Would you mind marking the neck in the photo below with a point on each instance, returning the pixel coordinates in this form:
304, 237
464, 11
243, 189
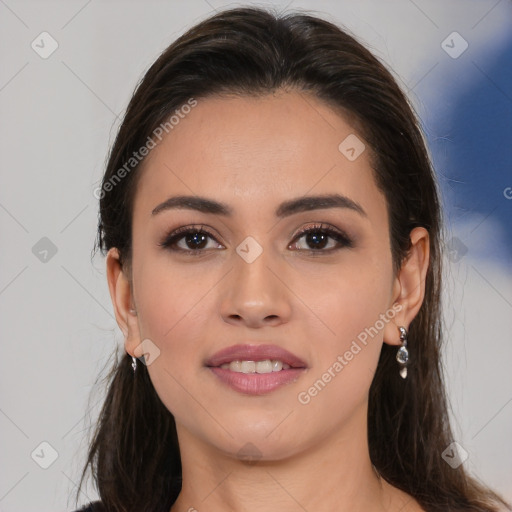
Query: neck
335, 474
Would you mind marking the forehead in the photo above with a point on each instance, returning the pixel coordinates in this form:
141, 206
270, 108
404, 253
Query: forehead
254, 150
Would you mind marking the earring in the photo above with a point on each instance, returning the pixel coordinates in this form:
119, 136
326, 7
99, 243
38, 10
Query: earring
402, 356
134, 364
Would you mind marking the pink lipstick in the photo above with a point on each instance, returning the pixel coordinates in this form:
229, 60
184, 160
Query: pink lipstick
256, 369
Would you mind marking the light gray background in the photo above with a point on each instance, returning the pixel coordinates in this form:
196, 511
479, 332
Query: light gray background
59, 116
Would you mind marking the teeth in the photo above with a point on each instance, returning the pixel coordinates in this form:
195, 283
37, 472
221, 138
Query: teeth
277, 366
247, 367
266, 366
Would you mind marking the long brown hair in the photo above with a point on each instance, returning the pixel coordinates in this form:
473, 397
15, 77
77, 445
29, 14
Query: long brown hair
134, 453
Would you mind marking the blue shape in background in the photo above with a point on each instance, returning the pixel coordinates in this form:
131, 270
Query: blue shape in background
473, 153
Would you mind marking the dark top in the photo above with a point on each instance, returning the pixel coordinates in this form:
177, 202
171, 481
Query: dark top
94, 506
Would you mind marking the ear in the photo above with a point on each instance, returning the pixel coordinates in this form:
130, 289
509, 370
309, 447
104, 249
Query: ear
409, 285
120, 288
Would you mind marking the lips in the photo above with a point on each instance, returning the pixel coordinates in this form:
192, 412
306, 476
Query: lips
254, 353
289, 368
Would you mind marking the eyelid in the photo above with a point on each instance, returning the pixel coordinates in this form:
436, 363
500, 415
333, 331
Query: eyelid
331, 231
178, 233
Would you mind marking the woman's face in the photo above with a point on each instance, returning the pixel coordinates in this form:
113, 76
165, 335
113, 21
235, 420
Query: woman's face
257, 281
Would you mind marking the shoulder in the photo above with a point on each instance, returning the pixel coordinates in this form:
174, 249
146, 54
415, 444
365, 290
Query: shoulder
94, 506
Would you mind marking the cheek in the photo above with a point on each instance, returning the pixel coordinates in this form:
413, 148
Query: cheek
344, 362
348, 300
347, 353
172, 315
168, 296
169, 303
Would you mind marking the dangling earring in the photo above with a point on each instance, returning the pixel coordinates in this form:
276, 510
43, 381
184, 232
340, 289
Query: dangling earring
134, 360
402, 356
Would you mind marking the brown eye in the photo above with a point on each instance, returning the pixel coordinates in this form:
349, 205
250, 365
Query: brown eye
323, 239
189, 240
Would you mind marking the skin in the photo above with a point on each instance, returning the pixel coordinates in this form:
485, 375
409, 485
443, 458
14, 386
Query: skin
253, 154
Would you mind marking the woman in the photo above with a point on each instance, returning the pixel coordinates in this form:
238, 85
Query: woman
272, 229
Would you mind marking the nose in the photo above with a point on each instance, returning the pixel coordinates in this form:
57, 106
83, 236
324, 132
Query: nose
255, 294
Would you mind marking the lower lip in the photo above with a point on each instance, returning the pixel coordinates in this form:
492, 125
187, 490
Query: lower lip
257, 383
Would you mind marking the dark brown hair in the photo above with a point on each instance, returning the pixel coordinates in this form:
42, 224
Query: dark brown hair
134, 453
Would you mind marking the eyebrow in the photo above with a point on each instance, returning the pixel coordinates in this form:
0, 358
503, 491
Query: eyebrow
285, 209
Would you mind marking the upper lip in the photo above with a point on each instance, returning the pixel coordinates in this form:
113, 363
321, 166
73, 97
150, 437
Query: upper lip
254, 353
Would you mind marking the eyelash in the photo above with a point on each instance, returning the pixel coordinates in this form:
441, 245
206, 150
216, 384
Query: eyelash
336, 235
